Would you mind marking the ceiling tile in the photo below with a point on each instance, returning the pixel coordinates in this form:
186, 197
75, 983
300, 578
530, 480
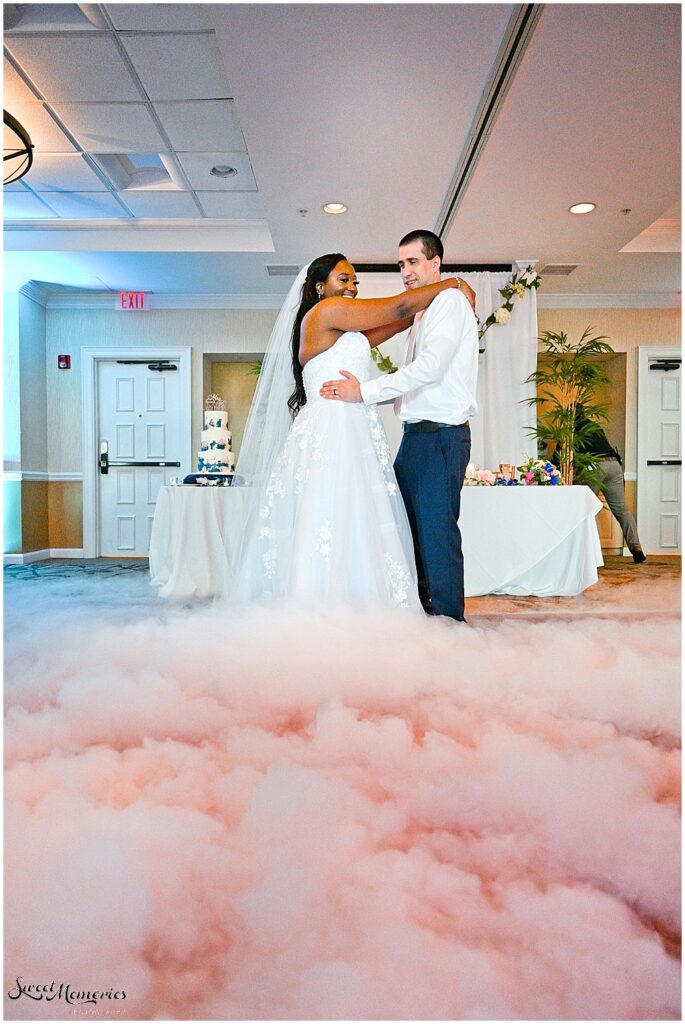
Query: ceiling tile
161, 204
198, 165
112, 127
59, 173
160, 17
46, 136
85, 205
14, 186
232, 205
201, 125
15, 89
83, 67
21, 205
178, 67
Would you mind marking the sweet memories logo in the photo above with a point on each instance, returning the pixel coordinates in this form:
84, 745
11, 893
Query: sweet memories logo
63, 991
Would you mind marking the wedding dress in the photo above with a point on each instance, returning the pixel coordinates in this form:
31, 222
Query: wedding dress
331, 524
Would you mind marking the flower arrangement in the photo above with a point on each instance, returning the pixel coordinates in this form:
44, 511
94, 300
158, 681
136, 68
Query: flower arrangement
476, 477
535, 472
215, 403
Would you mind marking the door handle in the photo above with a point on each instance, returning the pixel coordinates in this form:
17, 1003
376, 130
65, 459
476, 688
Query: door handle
104, 458
126, 463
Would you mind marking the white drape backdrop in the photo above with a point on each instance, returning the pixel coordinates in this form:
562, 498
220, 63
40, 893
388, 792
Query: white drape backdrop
499, 431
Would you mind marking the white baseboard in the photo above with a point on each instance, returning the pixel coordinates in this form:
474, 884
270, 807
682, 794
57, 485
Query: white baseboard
40, 556
25, 557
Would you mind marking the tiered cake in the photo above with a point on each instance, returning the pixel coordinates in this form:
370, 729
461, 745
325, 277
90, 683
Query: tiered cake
215, 455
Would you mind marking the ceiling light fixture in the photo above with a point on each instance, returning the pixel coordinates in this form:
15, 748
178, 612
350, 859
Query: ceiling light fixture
18, 155
334, 208
582, 208
224, 171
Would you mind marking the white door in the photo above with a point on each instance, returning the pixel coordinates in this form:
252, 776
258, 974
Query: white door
139, 443
659, 450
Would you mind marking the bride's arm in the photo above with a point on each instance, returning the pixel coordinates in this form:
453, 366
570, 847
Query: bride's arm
377, 335
338, 314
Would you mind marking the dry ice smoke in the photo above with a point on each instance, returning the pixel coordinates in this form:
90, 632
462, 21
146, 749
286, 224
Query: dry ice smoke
336, 815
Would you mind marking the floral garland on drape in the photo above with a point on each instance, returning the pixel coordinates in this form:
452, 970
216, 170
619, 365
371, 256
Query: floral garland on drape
514, 289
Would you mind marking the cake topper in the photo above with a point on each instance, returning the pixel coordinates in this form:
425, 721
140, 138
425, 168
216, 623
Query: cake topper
215, 403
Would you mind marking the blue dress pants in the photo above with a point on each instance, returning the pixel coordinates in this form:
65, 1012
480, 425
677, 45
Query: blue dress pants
430, 469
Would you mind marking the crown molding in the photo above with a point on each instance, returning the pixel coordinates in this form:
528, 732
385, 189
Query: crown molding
589, 300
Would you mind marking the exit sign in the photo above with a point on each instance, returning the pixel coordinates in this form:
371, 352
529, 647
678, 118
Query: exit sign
131, 300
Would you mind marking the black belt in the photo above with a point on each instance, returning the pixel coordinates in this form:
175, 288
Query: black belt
428, 426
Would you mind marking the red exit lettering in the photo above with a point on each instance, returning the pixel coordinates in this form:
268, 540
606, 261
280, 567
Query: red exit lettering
132, 300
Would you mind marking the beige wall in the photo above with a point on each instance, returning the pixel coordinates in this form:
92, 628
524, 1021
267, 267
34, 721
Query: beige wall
237, 387
33, 398
626, 330
206, 331
11, 382
51, 398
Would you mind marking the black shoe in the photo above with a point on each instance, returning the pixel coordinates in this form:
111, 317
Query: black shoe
638, 555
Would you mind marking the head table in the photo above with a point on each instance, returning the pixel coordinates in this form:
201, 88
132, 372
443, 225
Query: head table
522, 541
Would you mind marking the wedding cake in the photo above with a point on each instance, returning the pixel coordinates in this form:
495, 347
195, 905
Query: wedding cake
215, 455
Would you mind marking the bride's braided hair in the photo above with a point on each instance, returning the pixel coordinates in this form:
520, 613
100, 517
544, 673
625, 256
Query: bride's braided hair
318, 272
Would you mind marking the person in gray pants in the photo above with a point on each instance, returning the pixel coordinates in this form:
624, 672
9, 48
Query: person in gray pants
608, 478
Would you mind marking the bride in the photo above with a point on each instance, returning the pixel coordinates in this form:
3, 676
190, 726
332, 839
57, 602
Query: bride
322, 515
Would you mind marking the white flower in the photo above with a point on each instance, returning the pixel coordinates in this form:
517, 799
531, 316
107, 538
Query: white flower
502, 315
529, 277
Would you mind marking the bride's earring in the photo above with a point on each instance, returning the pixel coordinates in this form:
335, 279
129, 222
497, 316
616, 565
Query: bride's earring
319, 292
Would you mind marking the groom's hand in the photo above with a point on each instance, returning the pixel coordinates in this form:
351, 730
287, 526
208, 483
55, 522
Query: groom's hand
346, 390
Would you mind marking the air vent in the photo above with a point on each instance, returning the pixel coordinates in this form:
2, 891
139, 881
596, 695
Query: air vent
281, 270
559, 269
136, 172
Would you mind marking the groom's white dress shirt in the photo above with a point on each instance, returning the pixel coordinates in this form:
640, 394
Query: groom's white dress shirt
438, 380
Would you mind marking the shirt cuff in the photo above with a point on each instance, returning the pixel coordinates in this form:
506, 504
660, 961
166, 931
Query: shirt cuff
371, 390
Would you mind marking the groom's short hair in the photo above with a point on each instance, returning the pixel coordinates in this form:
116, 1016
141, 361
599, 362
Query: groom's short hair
431, 244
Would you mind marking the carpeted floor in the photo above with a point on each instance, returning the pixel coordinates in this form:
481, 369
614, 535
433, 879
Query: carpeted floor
624, 588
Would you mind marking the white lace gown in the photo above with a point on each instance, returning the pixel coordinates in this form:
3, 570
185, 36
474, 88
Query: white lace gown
332, 525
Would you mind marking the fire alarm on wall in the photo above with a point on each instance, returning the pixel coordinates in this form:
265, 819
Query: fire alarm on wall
64, 362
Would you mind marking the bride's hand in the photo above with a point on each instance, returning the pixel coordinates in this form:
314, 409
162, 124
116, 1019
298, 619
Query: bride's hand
347, 390
468, 292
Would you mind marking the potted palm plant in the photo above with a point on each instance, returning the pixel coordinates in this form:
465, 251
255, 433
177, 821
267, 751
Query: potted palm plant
566, 386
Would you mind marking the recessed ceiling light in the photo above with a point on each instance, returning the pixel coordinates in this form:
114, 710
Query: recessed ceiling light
223, 171
334, 208
582, 208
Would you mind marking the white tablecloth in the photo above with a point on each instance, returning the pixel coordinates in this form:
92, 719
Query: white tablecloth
539, 541
190, 534
529, 541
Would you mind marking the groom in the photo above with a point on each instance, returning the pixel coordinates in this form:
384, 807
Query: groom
435, 394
